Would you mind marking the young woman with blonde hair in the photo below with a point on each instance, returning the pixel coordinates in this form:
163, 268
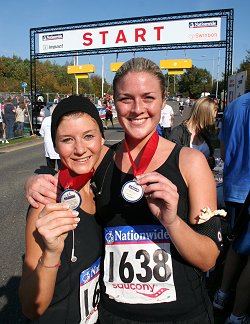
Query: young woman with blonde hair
198, 130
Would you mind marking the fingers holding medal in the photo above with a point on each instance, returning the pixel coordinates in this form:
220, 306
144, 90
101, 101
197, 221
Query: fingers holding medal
54, 222
161, 194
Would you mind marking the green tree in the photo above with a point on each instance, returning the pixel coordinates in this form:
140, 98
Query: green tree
50, 77
195, 81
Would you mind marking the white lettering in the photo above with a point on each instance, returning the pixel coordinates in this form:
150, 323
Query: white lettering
143, 236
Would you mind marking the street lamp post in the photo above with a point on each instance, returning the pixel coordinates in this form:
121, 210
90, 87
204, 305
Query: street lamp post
218, 71
213, 73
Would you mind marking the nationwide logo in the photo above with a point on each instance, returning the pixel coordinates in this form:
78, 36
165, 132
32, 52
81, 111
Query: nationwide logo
90, 273
133, 234
52, 37
202, 24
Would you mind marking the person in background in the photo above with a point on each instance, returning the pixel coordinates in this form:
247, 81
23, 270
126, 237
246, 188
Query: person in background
235, 138
59, 282
1, 124
109, 114
181, 106
198, 130
20, 111
9, 118
52, 157
150, 197
167, 120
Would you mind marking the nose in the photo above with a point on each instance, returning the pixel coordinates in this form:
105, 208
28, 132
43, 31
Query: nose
79, 148
138, 106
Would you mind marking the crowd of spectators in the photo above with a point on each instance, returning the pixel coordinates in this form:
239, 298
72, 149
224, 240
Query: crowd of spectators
12, 116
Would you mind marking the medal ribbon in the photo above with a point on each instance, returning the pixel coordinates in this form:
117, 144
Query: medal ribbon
68, 179
147, 155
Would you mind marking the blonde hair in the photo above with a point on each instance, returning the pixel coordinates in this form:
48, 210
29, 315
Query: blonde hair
202, 117
140, 64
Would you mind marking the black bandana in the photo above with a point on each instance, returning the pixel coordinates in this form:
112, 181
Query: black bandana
70, 104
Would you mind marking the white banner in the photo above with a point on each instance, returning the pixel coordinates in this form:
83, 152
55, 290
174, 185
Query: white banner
236, 86
231, 88
240, 85
140, 34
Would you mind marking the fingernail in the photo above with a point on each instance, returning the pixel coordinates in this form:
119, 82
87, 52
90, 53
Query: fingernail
77, 219
75, 212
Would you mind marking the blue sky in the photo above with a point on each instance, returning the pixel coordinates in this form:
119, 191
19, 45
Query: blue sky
17, 17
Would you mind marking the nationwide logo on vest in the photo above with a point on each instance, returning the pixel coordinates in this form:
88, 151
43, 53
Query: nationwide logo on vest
133, 234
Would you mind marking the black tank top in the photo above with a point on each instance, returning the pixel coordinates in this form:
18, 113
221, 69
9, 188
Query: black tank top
65, 305
114, 211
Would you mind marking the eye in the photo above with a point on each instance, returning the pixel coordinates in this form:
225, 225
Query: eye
89, 137
124, 99
149, 98
66, 140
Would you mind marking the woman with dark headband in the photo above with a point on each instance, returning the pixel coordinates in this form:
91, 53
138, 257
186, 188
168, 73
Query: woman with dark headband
61, 268
155, 201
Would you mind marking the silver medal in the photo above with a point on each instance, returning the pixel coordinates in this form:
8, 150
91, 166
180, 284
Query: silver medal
131, 191
72, 198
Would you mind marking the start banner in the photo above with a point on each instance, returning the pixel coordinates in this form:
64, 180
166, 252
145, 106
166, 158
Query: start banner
136, 34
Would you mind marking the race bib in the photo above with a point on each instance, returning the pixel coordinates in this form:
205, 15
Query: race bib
90, 293
138, 264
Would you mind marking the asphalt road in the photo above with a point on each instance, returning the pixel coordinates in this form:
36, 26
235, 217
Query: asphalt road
17, 162
15, 166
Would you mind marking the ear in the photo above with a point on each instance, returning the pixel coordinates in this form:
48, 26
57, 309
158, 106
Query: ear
103, 141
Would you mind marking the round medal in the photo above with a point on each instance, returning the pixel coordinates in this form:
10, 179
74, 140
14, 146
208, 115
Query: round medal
131, 191
72, 198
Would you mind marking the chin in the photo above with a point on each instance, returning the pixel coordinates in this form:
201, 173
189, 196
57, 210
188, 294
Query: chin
81, 170
138, 133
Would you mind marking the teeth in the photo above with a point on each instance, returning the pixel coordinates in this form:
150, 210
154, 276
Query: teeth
137, 121
83, 160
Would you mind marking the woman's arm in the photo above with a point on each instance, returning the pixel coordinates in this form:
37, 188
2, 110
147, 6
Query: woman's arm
46, 231
44, 187
162, 197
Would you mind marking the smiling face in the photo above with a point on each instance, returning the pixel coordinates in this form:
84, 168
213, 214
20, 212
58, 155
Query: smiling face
138, 101
79, 142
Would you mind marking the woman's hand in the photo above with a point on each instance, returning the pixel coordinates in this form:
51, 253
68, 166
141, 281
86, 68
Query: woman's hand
53, 224
40, 189
161, 195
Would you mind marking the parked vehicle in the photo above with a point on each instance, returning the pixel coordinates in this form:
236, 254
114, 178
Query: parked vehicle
36, 116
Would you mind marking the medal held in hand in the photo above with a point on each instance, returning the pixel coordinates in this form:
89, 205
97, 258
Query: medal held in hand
71, 183
72, 198
131, 191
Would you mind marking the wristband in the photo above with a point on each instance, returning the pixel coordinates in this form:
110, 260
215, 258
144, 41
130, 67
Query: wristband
40, 261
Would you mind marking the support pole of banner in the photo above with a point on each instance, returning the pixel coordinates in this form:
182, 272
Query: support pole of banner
218, 72
102, 75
